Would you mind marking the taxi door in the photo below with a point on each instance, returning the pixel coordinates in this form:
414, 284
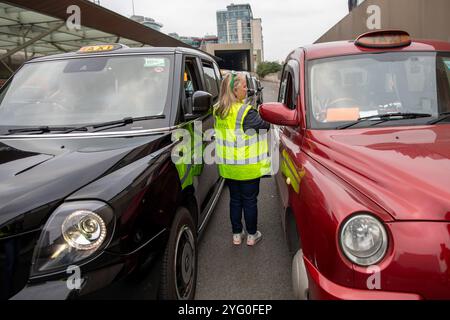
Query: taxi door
199, 75
291, 172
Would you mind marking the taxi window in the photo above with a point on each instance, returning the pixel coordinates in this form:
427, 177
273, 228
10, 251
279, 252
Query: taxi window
282, 93
444, 83
87, 90
290, 101
447, 69
287, 91
211, 80
218, 74
345, 89
191, 83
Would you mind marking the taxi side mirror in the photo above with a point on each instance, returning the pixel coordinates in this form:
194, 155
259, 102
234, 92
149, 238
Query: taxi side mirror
201, 102
279, 114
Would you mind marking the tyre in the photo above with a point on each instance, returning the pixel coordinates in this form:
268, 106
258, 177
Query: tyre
179, 265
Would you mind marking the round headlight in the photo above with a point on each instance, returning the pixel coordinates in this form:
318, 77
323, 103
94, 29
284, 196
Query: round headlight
84, 230
75, 231
364, 240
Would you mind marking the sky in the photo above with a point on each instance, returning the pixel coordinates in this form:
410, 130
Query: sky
287, 24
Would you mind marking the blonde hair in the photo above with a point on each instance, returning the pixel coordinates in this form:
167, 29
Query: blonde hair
227, 96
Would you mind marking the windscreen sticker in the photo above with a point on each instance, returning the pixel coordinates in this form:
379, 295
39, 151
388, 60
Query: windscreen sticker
447, 62
154, 62
370, 113
342, 114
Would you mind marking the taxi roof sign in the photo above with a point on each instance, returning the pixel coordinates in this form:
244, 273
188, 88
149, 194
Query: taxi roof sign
384, 39
100, 48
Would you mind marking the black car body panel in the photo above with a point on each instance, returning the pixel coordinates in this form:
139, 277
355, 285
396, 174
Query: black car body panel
128, 168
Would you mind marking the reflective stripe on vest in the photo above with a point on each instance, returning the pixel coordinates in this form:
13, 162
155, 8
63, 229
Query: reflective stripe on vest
240, 155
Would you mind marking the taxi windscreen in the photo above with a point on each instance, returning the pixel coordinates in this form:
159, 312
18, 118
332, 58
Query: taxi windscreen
345, 89
87, 90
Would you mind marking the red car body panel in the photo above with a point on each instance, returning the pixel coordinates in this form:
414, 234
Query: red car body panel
399, 174
324, 289
419, 261
405, 170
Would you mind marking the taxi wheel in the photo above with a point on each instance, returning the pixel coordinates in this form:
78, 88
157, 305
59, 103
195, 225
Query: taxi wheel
179, 266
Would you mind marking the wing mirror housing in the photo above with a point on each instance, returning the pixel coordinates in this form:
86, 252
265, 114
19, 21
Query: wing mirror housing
201, 102
279, 114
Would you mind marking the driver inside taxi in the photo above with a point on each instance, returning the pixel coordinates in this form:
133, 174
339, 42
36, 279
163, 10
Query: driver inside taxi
334, 103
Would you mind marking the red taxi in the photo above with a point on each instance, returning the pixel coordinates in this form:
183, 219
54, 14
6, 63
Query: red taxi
363, 129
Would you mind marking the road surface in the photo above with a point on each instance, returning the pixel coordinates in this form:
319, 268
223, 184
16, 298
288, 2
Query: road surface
262, 272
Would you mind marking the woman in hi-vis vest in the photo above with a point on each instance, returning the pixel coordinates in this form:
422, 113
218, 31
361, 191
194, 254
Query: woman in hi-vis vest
241, 154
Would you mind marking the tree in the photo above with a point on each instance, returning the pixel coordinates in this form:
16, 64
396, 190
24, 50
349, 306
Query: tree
267, 67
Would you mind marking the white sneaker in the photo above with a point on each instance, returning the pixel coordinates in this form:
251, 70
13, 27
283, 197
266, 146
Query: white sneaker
253, 239
237, 238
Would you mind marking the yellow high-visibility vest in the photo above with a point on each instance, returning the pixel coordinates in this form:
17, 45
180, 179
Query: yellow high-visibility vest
240, 155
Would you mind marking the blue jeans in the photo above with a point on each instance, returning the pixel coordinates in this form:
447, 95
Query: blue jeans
244, 197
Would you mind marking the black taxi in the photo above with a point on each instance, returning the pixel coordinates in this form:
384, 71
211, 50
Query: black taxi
91, 202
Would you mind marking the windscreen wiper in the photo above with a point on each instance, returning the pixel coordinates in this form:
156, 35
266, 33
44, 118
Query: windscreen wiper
44, 129
116, 123
386, 117
442, 116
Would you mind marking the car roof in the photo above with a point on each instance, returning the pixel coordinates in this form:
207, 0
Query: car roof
127, 50
342, 48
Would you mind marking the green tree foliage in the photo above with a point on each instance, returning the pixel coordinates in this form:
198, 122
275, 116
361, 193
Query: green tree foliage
267, 67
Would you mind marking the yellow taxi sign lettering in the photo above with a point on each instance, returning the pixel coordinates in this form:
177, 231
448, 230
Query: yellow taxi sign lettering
98, 48
384, 39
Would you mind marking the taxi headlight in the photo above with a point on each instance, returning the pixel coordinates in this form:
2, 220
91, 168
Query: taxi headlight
363, 240
84, 230
74, 232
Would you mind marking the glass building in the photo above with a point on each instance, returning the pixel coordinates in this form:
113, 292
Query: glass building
196, 42
148, 22
234, 25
